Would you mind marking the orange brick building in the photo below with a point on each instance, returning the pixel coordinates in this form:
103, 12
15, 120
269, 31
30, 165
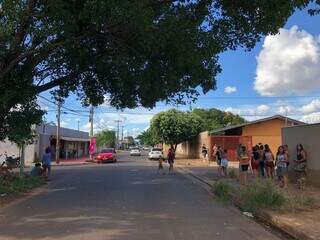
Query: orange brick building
265, 131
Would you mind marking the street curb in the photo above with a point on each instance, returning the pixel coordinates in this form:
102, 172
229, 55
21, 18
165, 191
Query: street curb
261, 216
72, 164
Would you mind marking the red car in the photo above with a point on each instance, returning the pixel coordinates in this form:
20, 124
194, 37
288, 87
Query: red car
106, 155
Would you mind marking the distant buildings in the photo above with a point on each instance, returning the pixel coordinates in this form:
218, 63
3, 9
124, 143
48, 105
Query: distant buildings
73, 144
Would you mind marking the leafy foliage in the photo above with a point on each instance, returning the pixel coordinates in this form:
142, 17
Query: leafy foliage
173, 127
123, 49
146, 138
106, 138
215, 118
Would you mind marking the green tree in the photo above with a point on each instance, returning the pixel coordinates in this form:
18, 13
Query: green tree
173, 127
106, 138
214, 118
122, 49
146, 138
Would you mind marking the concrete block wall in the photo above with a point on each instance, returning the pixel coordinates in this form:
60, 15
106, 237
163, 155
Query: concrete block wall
308, 136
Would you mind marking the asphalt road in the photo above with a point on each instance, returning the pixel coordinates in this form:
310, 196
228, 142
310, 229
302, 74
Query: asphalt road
125, 200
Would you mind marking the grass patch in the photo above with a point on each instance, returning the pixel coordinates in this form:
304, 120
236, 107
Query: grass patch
261, 194
232, 173
20, 184
222, 190
298, 201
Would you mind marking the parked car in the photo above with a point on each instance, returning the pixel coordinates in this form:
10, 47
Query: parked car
106, 155
135, 152
155, 153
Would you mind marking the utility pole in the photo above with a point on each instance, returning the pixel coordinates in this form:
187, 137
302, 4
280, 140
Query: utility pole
91, 121
78, 124
122, 132
118, 133
57, 155
91, 127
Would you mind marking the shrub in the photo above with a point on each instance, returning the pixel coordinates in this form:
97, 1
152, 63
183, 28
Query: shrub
261, 194
222, 190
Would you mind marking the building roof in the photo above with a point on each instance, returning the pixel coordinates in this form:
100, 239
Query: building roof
257, 121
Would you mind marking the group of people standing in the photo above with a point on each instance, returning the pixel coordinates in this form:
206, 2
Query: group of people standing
262, 162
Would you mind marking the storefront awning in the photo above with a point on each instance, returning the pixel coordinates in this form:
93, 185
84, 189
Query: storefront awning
71, 139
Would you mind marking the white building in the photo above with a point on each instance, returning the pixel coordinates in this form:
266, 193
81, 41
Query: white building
73, 144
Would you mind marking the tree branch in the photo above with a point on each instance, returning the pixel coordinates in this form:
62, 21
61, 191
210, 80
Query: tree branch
53, 83
25, 23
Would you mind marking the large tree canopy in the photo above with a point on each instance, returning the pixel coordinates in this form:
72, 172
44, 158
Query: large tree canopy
215, 118
137, 52
173, 127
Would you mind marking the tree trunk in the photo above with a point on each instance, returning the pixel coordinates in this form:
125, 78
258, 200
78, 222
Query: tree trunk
22, 160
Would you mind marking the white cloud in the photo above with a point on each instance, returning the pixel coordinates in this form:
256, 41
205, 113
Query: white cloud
313, 106
230, 89
63, 124
311, 118
286, 110
263, 109
127, 118
289, 63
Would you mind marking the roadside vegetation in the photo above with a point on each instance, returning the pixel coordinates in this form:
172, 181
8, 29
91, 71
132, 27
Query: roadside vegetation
19, 184
261, 195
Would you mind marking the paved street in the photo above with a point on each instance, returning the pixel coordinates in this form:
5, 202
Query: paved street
125, 200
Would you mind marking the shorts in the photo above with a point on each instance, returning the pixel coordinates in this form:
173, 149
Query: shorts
219, 162
245, 167
224, 163
281, 171
270, 164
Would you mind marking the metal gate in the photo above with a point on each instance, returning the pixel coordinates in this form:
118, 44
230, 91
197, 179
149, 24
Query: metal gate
231, 143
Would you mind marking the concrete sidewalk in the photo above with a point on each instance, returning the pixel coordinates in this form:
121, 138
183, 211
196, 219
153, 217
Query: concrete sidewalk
302, 225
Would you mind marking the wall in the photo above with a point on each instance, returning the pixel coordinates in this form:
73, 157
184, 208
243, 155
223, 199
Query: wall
191, 148
11, 149
268, 132
308, 136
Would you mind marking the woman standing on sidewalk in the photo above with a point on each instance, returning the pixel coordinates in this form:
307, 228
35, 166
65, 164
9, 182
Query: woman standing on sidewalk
46, 163
261, 160
282, 167
269, 161
244, 163
171, 158
255, 161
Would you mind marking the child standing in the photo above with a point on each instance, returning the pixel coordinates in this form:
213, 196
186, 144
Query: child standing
224, 162
160, 166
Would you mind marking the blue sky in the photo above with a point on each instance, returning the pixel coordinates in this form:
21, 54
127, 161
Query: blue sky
284, 68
